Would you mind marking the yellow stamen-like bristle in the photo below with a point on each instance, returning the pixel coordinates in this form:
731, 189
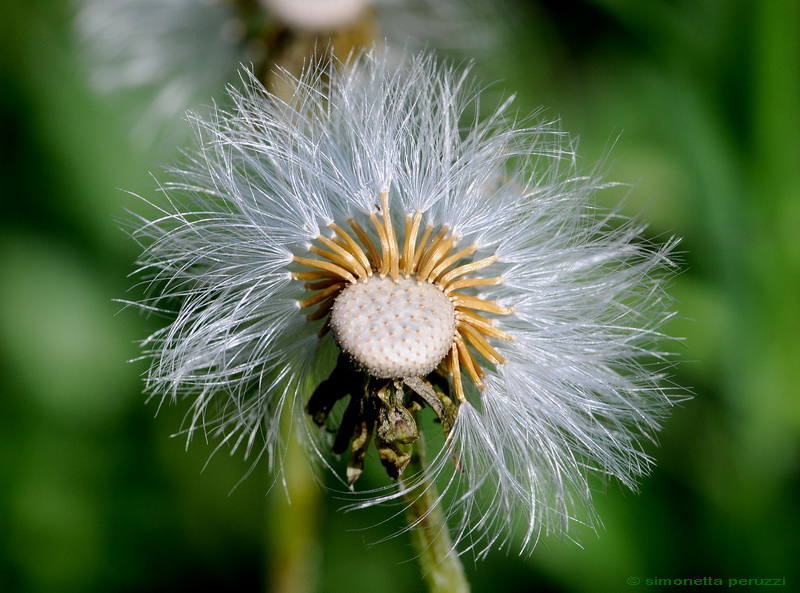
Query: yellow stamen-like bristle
471, 302
355, 248
465, 358
346, 256
468, 282
319, 275
409, 245
322, 310
374, 256
467, 268
480, 344
420, 250
352, 253
449, 261
438, 253
393, 256
322, 295
324, 265
321, 284
429, 250
454, 368
482, 324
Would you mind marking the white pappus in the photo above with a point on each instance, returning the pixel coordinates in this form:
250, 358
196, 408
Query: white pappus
291, 216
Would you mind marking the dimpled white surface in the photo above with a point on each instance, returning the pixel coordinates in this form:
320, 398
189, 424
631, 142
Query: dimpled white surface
394, 330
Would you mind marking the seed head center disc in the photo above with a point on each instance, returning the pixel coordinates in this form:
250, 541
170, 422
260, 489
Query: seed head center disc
394, 330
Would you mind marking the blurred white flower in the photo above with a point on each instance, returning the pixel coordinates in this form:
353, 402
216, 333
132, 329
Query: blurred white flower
447, 261
464, 25
172, 52
177, 53
316, 15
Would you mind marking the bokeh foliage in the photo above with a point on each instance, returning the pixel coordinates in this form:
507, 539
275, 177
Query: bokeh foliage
700, 104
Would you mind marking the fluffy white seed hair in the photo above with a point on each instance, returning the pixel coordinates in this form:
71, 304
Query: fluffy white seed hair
582, 386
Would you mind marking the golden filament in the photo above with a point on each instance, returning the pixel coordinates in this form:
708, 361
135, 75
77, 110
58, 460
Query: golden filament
346, 261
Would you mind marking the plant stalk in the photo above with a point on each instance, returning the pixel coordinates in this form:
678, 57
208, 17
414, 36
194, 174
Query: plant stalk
441, 566
293, 551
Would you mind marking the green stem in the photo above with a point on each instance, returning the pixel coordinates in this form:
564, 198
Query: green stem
441, 567
293, 551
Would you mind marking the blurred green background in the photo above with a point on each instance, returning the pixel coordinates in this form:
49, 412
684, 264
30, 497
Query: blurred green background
701, 102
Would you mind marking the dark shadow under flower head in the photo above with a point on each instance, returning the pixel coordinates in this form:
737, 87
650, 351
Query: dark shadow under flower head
372, 237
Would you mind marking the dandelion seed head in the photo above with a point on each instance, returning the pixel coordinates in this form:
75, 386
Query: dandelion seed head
439, 262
